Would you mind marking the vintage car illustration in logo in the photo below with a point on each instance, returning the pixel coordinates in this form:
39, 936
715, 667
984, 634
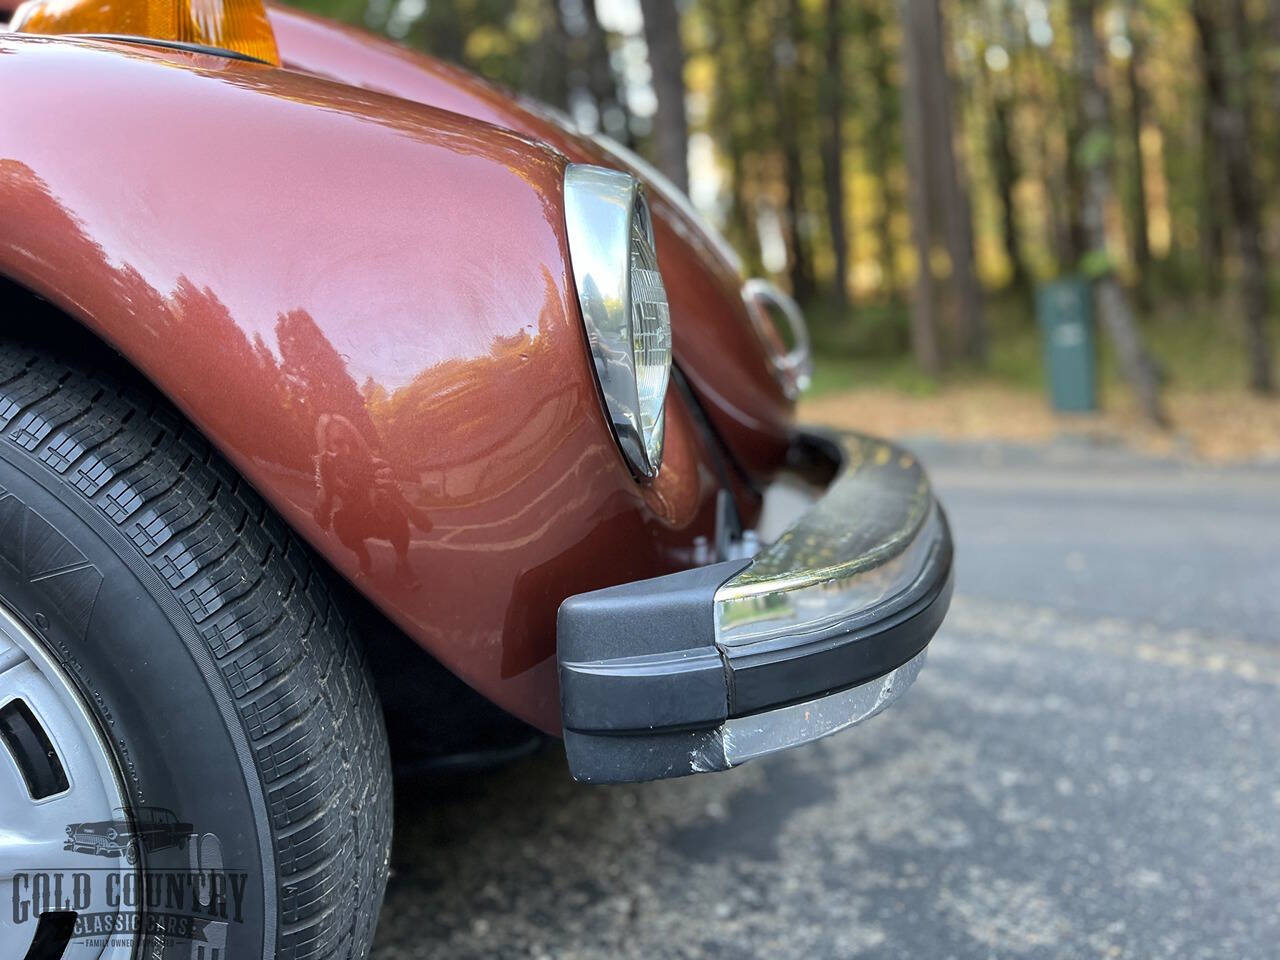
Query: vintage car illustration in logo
150, 828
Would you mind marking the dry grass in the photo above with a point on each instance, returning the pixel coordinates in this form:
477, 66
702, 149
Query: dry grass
1217, 426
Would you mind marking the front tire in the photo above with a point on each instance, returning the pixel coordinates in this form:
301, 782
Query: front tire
223, 676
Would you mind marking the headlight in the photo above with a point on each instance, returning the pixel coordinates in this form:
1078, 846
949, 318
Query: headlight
624, 305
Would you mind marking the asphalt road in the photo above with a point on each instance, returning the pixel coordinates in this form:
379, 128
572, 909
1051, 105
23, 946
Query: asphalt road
1089, 766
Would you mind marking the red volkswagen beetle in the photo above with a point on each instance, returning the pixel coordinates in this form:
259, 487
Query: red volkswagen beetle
342, 393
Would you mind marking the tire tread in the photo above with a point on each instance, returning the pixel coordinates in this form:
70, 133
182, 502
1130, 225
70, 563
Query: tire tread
286, 652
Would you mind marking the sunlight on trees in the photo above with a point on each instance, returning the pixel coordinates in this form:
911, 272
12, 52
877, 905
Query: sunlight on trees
841, 144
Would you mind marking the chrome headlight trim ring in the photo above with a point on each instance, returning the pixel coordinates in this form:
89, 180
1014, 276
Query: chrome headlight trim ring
792, 369
624, 306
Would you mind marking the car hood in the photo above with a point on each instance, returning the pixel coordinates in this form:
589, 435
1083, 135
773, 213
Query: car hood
714, 341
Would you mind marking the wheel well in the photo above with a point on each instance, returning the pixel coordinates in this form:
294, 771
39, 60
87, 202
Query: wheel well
461, 727
19, 306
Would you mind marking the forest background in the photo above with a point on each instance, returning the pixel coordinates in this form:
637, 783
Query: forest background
912, 171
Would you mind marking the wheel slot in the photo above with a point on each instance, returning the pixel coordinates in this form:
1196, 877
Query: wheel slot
32, 750
53, 933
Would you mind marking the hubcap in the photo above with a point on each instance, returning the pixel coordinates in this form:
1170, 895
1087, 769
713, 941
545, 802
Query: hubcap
55, 773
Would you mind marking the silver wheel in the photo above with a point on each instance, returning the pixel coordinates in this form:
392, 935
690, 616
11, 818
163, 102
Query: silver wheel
55, 773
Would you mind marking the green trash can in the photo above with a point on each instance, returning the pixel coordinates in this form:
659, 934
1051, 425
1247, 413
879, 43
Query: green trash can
1064, 311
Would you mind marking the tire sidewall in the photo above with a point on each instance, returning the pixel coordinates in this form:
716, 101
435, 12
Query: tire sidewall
162, 707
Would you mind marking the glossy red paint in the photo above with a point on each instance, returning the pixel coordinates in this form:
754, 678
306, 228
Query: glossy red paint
365, 303
714, 342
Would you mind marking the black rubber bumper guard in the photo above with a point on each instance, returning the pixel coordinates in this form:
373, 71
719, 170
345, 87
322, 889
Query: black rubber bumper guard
704, 669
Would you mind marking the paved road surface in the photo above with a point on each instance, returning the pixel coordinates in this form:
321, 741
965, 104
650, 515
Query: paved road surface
1088, 766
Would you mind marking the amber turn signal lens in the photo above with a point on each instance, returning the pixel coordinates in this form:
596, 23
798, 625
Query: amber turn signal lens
238, 25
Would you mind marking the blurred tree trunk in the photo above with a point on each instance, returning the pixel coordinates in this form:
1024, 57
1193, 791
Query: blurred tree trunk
1093, 154
881, 144
1004, 165
924, 322
1247, 200
724, 28
1137, 119
666, 59
1273, 57
786, 84
1213, 182
1220, 45
937, 181
667, 62
833, 149
1073, 179
1273, 53
1054, 177
603, 81
547, 76
448, 39
952, 188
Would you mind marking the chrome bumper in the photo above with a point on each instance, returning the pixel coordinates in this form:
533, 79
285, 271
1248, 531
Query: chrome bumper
707, 668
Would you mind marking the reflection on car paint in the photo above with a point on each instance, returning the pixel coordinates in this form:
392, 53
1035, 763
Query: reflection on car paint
445, 332
357, 494
730, 372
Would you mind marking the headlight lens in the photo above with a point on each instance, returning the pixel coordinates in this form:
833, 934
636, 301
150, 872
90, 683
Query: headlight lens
650, 331
624, 305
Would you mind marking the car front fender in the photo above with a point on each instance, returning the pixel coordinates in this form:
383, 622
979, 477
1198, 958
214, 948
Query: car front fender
715, 346
313, 272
